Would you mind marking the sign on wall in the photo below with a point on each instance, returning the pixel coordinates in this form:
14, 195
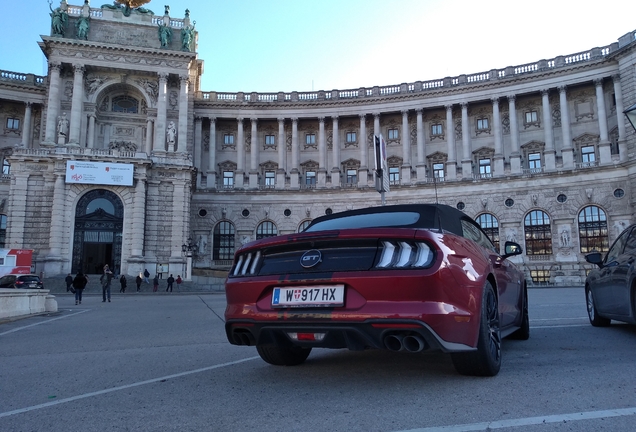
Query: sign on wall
102, 173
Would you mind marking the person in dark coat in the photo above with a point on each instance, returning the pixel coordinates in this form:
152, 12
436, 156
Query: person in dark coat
69, 282
123, 282
138, 281
79, 283
170, 281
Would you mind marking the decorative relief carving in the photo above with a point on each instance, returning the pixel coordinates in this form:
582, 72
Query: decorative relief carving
127, 131
123, 146
36, 167
151, 88
68, 90
556, 116
173, 100
169, 174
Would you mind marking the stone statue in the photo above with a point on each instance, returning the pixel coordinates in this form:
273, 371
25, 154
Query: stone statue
166, 10
59, 18
565, 238
82, 26
165, 34
202, 243
171, 133
62, 126
187, 37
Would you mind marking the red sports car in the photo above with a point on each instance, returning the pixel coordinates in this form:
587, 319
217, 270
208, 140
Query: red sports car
404, 278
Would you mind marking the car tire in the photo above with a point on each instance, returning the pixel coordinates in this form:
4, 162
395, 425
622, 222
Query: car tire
595, 319
524, 331
486, 360
283, 355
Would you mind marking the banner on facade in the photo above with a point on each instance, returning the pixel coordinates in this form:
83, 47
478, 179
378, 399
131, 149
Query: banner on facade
102, 173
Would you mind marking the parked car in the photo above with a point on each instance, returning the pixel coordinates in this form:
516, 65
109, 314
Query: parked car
403, 278
610, 290
26, 281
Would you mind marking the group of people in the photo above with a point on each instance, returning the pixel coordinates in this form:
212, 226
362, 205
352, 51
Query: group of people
78, 283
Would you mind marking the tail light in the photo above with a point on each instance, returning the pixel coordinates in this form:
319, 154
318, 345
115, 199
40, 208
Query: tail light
404, 254
247, 264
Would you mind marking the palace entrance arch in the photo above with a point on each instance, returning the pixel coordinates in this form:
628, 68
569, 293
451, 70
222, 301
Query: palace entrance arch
99, 220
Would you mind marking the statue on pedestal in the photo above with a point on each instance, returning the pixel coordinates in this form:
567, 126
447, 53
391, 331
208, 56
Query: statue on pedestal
62, 129
59, 18
187, 37
171, 133
165, 34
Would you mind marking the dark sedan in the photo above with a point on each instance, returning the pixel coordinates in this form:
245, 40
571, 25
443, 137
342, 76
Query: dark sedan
610, 290
25, 281
403, 278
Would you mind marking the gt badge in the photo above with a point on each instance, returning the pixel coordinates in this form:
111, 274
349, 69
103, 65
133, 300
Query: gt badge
310, 258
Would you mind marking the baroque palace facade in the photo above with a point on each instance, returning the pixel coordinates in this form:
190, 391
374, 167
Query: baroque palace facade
539, 153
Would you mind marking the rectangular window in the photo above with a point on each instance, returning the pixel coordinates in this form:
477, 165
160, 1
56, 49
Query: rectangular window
438, 170
393, 134
6, 167
587, 154
352, 176
531, 117
270, 178
13, 123
351, 137
534, 161
310, 139
270, 140
436, 129
482, 124
228, 139
540, 276
484, 167
310, 178
394, 175
228, 179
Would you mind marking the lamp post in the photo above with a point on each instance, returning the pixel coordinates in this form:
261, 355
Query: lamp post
630, 113
189, 249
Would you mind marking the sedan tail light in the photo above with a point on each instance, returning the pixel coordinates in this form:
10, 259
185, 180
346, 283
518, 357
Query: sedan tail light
405, 254
247, 264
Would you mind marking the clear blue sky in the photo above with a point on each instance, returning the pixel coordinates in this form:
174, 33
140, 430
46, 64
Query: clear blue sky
304, 45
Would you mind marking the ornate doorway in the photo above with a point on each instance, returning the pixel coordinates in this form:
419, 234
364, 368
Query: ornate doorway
99, 220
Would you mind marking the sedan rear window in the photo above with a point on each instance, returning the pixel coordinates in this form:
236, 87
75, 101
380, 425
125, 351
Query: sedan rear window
29, 278
374, 220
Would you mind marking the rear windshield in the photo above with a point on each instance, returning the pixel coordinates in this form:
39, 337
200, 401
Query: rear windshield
374, 220
29, 278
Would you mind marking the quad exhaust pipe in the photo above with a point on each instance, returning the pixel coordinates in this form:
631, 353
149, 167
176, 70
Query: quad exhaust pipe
410, 343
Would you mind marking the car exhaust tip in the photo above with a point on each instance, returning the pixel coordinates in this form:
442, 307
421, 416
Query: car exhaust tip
243, 338
413, 343
394, 342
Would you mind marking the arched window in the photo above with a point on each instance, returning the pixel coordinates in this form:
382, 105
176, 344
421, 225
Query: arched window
490, 225
125, 104
266, 229
3, 229
101, 203
538, 233
223, 245
303, 225
593, 235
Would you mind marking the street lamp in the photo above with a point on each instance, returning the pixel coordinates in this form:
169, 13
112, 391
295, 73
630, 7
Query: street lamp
630, 113
189, 249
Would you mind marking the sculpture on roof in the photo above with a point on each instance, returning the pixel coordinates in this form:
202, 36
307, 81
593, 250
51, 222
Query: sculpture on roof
82, 26
59, 18
127, 6
187, 37
165, 33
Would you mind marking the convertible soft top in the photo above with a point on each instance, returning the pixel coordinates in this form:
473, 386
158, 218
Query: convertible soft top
431, 216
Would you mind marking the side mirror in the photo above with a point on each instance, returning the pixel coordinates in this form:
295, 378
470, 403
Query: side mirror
511, 249
595, 258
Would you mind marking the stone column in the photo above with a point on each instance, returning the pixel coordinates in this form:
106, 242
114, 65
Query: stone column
160, 124
138, 219
467, 161
17, 210
53, 105
76, 105
182, 132
57, 218
254, 155
364, 159
26, 127
498, 161
239, 176
567, 152
451, 163
421, 149
295, 156
198, 147
322, 154
515, 155
179, 226
405, 177
149, 129
212, 173
620, 117
90, 142
335, 169
282, 153
604, 146
549, 154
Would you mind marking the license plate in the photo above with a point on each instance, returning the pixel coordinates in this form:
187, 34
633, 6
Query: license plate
308, 296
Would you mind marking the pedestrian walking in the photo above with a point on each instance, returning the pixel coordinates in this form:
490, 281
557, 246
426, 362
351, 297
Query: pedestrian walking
146, 276
179, 280
123, 282
155, 283
106, 279
170, 281
138, 281
79, 283
69, 282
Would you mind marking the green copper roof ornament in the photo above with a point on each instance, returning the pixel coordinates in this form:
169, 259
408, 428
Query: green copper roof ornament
127, 6
59, 18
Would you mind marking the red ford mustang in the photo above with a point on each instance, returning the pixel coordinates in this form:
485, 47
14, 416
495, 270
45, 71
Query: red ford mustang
409, 277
